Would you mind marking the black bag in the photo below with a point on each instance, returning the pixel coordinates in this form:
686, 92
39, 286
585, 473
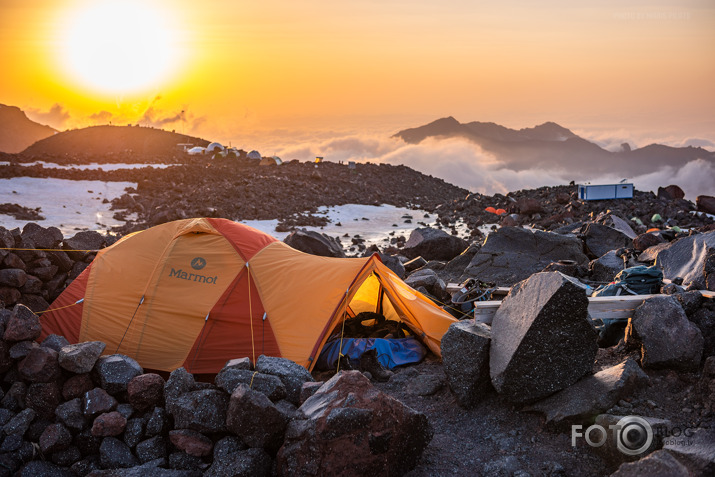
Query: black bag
640, 280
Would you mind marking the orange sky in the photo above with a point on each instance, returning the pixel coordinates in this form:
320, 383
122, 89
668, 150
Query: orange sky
242, 69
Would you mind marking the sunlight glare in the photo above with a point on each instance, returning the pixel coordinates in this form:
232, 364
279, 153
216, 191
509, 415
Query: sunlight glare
119, 46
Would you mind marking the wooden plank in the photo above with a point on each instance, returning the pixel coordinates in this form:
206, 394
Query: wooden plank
611, 307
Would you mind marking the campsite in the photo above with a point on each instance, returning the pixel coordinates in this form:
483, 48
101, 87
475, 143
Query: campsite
194, 345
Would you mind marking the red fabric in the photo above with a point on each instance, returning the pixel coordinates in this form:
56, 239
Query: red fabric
66, 321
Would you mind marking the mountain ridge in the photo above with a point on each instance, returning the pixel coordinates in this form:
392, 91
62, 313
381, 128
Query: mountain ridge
17, 131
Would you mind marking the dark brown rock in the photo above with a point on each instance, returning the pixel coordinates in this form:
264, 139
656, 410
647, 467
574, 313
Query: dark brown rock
76, 386
377, 434
55, 438
22, 325
705, 203
80, 358
40, 365
97, 401
108, 424
146, 391
671, 192
43, 398
70, 414
255, 419
13, 277
644, 241
191, 442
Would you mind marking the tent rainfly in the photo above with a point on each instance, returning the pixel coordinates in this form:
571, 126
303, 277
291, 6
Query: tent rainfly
198, 292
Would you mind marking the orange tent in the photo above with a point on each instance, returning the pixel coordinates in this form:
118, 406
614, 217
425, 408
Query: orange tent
198, 292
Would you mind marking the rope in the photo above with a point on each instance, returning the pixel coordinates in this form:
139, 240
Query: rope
130, 324
250, 314
48, 249
62, 307
342, 332
252, 376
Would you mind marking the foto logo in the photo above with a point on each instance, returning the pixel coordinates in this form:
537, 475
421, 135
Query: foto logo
198, 263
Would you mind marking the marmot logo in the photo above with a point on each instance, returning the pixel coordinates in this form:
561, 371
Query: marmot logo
198, 263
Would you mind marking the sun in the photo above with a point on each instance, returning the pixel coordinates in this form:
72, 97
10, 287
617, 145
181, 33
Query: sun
119, 46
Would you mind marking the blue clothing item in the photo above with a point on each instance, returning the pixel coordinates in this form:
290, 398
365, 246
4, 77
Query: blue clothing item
390, 352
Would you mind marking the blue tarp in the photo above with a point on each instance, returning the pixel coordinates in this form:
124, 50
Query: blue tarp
390, 352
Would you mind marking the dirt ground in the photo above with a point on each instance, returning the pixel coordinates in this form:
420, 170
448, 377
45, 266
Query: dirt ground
496, 438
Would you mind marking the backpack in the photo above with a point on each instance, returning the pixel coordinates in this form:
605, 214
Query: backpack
640, 280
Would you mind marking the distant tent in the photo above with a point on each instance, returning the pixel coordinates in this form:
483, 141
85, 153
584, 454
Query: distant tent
198, 292
271, 161
254, 155
214, 147
195, 151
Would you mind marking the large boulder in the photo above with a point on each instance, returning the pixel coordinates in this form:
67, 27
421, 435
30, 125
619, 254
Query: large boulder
600, 239
671, 192
542, 338
40, 366
697, 453
22, 325
203, 410
512, 254
349, 427
230, 457
659, 463
315, 243
229, 378
606, 267
593, 394
290, 373
49, 237
465, 356
146, 391
433, 244
665, 336
705, 203
431, 282
686, 258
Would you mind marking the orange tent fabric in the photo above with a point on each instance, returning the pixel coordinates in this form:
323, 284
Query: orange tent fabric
198, 292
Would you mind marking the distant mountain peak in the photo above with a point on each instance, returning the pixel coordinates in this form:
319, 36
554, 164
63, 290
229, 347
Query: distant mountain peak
17, 131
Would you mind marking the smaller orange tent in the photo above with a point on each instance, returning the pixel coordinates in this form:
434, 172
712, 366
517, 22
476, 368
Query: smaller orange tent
198, 292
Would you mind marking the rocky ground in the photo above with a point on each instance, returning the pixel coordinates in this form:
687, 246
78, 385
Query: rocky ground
493, 435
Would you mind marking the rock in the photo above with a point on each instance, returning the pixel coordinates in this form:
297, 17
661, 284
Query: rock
20, 350
55, 438
146, 391
157, 423
35, 303
83, 241
151, 449
690, 301
191, 442
542, 339
665, 336
394, 264
134, 432
593, 394
670, 193
202, 411
43, 398
696, 451
706, 385
239, 363
377, 434
115, 371
97, 401
242, 463
108, 424
685, 258
616, 222
529, 206
647, 240
465, 357
315, 243
600, 239
40, 366
628, 438
70, 414
20, 423
606, 267
56, 342
42, 468
115, 454
22, 325
660, 463
14, 398
433, 244
705, 203
66, 457
184, 461
80, 358
704, 319
309, 388
9, 295
180, 381
32, 286
255, 419
49, 237
76, 386
428, 279
291, 374
229, 378
13, 277
512, 254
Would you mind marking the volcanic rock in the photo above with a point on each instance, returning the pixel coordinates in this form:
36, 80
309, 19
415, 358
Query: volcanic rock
22, 325
377, 434
80, 358
542, 339
291, 374
202, 410
465, 356
699, 455
55, 438
40, 365
108, 424
115, 371
315, 243
272, 386
665, 336
255, 419
512, 254
42, 237
670, 192
56, 342
686, 258
433, 244
705, 203
606, 267
70, 414
659, 463
146, 391
115, 454
600, 239
592, 395
240, 462
191, 442
152, 449
97, 401
43, 398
